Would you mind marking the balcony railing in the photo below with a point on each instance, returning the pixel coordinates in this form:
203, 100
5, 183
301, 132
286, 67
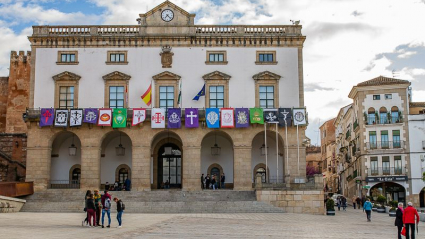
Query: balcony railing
386, 171
355, 125
383, 120
385, 145
64, 184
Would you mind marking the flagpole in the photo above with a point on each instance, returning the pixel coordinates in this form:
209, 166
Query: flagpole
265, 147
287, 152
277, 157
298, 147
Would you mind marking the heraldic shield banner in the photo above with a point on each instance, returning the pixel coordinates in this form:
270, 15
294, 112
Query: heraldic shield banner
46, 117
285, 117
174, 118
139, 115
212, 118
119, 119
158, 118
242, 117
90, 116
61, 118
227, 118
191, 118
271, 116
256, 115
299, 116
76, 117
105, 117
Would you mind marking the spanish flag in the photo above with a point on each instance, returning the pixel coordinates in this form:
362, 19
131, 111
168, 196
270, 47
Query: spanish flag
147, 96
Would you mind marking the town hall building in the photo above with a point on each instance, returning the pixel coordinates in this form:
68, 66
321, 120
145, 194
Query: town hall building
159, 65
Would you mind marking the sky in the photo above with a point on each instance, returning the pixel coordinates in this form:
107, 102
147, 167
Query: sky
348, 41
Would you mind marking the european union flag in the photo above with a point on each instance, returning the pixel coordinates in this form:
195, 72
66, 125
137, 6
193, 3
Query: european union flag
201, 93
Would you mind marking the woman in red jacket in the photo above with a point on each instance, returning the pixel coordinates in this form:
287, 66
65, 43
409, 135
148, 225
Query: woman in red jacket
409, 219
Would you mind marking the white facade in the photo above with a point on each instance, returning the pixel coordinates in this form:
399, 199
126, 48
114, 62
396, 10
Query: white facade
417, 151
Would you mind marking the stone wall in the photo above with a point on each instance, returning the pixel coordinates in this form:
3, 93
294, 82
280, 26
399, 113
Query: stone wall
307, 202
3, 102
13, 153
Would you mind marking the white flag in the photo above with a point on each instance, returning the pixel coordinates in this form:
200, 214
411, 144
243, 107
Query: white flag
158, 118
61, 119
76, 117
227, 118
139, 115
105, 117
299, 116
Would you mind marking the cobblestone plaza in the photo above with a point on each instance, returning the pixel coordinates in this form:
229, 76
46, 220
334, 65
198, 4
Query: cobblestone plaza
349, 224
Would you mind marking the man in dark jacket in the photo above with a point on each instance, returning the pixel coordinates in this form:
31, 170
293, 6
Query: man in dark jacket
202, 181
222, 180
399, 219
120, 210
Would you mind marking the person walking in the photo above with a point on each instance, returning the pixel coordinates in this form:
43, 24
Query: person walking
222, 180
207, 181
367, 206
98, 206
91, 211
202, 181
338, 203
363, 200
358, 200
106, 208
85, 221
213, 182
409, 220
353, 200
399, 219
120, 211
344, 203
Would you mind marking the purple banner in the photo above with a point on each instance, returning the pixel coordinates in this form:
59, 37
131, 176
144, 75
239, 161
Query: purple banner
174, 118
242, 117
191, 118
46, 117
90, 116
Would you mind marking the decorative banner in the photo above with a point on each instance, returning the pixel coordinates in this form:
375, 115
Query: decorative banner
76, 117
139, 115
174, 118
256, 115
46, 117
299, 116
242, 117
271, 116
191, 118
285, 114
158, 118
212, 117
61, 118
105, 117
119, 118
90, 116
227, 118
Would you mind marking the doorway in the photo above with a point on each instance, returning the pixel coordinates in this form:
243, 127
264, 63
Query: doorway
169, 167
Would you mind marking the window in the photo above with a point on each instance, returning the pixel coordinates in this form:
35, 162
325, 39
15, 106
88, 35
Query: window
116, 57
371, 117
122, 175
394, 115
397, 165
216, 58
216, 96
262, 172
385, 165
376, 97
266, 58
383, 115
372, 139
76, 175
396, 139
374, 165
384, 139
66, 97
266, 96
388, 96
166, 96
67, 58
116, 96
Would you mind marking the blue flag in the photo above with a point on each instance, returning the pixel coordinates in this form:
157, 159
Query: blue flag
212, 116
201, 93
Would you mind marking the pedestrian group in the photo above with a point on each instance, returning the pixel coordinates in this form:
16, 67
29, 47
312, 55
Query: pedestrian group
95, 204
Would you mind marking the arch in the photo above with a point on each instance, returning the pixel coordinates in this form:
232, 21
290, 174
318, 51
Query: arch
215, 165
382, 110
256, 168
117, 172
371, 110
393, 191
71, 172
111, 135
394, 109
422, 197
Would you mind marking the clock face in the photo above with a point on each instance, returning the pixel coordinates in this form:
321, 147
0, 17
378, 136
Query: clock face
299, 117
167, 15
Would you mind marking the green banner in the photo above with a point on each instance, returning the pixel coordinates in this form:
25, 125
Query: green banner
119, 118
256, 115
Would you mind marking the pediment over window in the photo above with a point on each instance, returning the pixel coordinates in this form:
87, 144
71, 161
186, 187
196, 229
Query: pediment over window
266, 75
66, 76
166, 75
216, 75
116, 75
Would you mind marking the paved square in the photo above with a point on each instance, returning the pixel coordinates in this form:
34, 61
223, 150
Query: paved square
349, 224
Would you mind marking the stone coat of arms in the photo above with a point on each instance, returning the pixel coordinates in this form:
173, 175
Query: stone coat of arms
166, 57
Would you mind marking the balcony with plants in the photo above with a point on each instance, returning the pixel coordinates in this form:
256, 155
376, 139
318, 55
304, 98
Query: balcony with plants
385, 145
386, 171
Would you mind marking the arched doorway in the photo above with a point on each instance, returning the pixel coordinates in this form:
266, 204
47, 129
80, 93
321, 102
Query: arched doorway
217, 157
422, 197
169, 166
116, 153
392, 191
65, 168
260, 170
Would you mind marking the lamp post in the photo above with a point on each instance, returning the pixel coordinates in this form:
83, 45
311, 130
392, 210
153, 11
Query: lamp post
120, 150
215, 150
72, 150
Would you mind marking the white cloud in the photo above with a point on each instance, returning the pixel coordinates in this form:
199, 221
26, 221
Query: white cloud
407, 54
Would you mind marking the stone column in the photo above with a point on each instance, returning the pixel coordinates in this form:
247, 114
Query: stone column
90, 166
242, 175
38, 167
141, 168
191, 171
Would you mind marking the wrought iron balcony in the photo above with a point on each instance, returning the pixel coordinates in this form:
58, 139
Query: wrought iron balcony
386, 171
64, 184
371, 120
386, 145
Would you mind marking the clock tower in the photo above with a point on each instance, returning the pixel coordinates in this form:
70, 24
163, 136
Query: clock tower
166, 14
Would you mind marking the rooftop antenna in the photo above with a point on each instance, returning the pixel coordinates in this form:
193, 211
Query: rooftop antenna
395, 73
295, 22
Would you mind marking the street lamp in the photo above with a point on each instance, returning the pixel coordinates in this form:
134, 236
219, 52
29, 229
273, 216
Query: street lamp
263, 149
215, 150
72, 150
120, 150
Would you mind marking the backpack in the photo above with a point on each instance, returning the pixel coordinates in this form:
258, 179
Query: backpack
122, 206
107, 203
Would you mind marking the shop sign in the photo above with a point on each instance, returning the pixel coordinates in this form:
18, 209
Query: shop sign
386, 179
366, 187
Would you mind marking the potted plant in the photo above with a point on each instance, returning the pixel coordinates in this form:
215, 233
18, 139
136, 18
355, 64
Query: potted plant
375, 206
375, 193
330, 207
381, 200
393, 209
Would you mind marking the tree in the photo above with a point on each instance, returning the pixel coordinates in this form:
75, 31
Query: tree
311, 171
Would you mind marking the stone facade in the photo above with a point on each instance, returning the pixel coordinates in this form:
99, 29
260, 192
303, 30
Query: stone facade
327, 145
